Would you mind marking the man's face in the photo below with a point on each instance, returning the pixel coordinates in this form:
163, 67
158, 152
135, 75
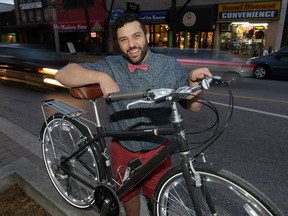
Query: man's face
133, 42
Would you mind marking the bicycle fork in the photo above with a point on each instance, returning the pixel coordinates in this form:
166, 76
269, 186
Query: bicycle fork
194, 182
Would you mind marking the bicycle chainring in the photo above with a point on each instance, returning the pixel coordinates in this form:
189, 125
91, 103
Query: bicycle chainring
105, 193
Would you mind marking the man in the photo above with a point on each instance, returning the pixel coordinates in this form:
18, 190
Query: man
120, 73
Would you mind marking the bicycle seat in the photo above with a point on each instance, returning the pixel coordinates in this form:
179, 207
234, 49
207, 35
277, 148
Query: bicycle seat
86, 92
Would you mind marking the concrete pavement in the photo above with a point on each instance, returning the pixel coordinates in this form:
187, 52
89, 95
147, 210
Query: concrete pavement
21, 163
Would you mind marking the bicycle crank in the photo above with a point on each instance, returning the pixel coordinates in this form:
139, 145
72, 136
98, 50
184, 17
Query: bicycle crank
106, 201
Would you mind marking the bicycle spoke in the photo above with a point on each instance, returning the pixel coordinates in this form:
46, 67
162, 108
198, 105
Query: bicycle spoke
61, 139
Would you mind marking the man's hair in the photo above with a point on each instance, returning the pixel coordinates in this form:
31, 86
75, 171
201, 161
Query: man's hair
127, 18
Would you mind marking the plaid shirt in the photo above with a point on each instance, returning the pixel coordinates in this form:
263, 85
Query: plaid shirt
163, 72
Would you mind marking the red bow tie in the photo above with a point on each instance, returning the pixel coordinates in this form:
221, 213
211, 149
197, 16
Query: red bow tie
133, 67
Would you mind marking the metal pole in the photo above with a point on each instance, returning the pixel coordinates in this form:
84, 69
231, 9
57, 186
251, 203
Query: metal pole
55, 26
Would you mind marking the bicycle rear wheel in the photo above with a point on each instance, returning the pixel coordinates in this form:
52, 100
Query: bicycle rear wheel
230, 195
60, 138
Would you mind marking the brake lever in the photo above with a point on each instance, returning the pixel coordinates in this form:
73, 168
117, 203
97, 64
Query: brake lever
155, 95
139, 101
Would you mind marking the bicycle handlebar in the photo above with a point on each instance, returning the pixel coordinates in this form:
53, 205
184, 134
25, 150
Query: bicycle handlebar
127, 95
163, 93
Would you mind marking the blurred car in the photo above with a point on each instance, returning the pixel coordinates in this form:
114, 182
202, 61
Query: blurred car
30, 64
221, 63
275, 65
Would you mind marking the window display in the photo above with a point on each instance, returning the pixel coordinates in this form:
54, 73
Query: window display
243, 38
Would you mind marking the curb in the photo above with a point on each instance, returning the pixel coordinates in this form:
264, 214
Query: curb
36, 184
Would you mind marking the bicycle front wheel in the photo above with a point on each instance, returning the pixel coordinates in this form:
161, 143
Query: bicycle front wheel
60, 138
229, 194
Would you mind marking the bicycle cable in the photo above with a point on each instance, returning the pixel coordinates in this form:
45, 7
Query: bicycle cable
217, 132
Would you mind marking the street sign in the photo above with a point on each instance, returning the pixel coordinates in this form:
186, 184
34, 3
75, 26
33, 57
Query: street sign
31, 5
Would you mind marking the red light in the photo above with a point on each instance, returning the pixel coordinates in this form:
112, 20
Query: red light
10, 37
93, 34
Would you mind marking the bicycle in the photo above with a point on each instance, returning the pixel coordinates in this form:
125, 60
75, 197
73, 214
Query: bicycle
78, 163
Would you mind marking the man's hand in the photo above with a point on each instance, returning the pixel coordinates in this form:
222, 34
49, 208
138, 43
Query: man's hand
107, 85
195, 76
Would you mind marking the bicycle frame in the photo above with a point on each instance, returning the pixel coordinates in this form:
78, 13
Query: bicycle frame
178, 143
195, 180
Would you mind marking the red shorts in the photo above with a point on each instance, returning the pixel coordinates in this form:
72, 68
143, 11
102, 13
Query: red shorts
120, 157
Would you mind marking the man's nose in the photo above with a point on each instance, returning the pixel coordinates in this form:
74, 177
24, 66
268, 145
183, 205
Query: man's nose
131, 42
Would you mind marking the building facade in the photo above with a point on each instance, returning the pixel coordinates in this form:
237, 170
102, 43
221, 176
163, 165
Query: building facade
243, 27
57, 22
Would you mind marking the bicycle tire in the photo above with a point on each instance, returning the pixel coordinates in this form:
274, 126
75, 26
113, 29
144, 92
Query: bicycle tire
231, 195
66, 135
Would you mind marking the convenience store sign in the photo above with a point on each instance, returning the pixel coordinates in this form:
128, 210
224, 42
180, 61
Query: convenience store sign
249, 11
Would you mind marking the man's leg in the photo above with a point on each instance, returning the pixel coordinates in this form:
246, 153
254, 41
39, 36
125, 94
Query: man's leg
132, 207
121, 157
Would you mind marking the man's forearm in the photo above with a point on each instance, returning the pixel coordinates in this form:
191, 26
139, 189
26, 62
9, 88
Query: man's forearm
73, 75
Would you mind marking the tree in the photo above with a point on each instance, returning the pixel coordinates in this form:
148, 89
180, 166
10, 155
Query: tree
109, 38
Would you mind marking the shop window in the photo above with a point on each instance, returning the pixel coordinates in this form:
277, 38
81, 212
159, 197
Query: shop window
210, 40
158, 34
226, 40
195, 39
46, 15
206, 40
244, 38
39, 16
31, 16
23, 17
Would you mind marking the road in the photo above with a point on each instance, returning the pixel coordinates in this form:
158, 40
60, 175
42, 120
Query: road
254, 146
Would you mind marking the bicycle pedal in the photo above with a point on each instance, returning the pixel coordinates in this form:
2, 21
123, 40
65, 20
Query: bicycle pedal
105, 207
61, 176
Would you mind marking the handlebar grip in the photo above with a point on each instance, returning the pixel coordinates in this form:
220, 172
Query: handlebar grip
126, 95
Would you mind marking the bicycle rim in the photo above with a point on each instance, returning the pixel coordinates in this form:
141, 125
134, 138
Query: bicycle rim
229, 197
60, 139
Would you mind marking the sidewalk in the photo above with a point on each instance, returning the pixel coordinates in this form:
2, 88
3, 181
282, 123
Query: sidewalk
14, 144
21, 163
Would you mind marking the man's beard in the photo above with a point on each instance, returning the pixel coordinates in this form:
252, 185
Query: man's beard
142, 56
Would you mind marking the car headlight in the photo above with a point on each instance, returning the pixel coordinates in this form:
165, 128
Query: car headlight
49, 71
52, 82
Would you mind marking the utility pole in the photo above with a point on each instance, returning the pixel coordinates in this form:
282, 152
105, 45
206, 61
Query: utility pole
55, 25
173, 23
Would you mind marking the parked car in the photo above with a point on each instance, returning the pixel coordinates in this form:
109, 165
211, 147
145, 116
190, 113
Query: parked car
30, 64
222, 63
275, 65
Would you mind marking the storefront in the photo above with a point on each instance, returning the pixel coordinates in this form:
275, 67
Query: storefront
156, 23
195, 27
76, 32
247, 28
8, 28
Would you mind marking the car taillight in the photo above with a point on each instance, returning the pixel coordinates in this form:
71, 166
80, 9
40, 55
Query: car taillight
252, 66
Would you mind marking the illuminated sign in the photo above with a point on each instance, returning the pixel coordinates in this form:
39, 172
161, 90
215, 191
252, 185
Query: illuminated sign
251, 11
153, 17
78, 26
